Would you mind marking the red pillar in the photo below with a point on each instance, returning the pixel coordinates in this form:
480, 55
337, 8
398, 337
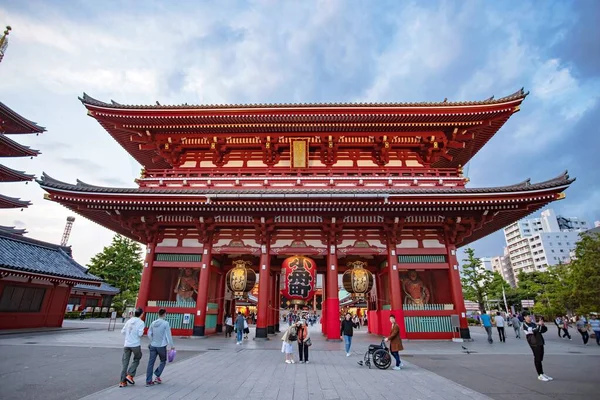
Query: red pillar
264, 276
270, 315
395, 291
333, 301
83, 301
144, 292
277, 301
202, 299
221, 302
456, 288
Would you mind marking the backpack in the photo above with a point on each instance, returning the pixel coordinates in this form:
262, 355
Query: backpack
292, 337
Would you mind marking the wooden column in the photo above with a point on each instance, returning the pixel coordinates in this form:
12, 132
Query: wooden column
221, 302
324, 305
264, 276
333, 301
202, 299
395, 290
456, 288
144, 292
270, 315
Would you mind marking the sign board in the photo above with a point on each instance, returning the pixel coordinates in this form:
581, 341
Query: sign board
113, 315
186, 319
471, 305
455, 321
527, 303
69, 307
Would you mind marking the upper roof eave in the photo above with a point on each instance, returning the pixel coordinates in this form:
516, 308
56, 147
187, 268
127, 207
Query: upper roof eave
90, 101
28, 126
25, 150
17, 175
13, 202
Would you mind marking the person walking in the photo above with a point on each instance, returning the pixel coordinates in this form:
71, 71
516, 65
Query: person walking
559, 325
303, 341
516, 326
346, 331
133, 331
160, 337
533, 334
228, 325
595, 325
246, 329
290, 336
239, 327
486, 322
395, 342
565, 321
582, 328
499, 321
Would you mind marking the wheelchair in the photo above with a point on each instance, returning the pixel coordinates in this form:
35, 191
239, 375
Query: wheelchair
377, 354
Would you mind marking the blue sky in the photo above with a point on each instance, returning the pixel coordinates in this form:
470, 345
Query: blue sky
302, 51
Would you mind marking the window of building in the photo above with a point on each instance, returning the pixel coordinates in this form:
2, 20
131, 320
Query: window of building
552, 250
74, 300
91, 303
559, 243
561, 250
21, 299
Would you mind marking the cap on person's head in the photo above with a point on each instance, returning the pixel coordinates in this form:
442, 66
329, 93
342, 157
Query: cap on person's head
139, 312
162, 312
526, 313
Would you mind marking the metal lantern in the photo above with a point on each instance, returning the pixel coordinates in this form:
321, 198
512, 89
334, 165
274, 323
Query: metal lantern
358, 281
241, 279
299, 279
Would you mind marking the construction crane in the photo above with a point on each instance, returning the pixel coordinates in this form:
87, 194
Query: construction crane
67, 232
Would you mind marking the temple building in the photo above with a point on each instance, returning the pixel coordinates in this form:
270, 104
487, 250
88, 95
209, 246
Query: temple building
283, 192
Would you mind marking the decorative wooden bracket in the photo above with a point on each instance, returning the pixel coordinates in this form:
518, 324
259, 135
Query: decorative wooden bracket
219, 149
329, 150
381, 150
271, 150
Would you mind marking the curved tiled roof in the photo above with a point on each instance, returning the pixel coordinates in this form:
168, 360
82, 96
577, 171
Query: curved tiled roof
23, 254
12, 175
48, 182
104, 288
15, 149
18, 123
13, 202
519, 94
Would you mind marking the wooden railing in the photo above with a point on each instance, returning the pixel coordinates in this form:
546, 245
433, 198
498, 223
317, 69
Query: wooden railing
428, 324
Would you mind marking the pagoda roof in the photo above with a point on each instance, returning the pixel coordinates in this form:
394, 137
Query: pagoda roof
106, 205
104, 288
13, 230
13, 123
13, 202
23, 255
11, 175
128, 124
10, 148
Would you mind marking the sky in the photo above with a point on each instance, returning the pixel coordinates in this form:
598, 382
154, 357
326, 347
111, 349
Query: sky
300, 51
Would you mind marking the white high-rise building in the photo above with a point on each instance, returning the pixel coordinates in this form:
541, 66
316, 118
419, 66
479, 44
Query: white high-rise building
533, 244
501, 264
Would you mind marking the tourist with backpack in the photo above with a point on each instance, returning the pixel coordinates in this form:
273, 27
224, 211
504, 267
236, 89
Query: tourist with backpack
290, 336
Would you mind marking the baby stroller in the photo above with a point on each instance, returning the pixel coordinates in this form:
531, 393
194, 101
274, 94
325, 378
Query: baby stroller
380, 355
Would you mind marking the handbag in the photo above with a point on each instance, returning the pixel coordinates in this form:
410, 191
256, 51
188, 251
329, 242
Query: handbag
171, 355
308, 342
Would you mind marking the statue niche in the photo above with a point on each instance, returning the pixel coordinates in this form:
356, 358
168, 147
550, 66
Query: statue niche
414, 289
187, 285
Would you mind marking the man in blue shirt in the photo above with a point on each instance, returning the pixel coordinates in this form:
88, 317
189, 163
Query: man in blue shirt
595, 325
486, 321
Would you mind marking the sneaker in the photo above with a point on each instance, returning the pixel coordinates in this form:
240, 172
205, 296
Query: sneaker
401, 364
150, 384
347, 354
293, 362
301, 362
547, 377
305, 362
129, 379
396, 368
288, 362
158, 380
123, 384
543, 378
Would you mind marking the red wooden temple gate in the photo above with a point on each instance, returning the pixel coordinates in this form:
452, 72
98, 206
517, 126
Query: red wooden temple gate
381, 183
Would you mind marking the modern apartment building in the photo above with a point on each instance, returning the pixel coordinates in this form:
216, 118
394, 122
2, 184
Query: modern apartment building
501, 264
533, 244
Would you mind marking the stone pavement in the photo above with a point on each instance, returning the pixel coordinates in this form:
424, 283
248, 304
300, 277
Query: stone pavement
240, 373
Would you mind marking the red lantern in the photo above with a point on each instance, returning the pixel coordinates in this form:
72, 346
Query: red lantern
299, 279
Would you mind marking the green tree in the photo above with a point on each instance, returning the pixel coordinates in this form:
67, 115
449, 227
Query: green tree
475, 279
120, 265
584, 278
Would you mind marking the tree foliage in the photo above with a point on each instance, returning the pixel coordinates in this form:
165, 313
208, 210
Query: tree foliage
120, 265
475, 279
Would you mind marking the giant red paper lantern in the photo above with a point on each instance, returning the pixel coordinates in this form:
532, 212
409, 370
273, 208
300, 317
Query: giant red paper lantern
299, 279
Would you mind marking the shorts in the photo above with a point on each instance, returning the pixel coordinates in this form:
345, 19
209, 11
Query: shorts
287, 348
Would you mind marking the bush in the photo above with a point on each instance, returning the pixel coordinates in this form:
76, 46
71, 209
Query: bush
472, 321
76, 315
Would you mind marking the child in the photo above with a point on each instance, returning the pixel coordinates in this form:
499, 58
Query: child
289, 338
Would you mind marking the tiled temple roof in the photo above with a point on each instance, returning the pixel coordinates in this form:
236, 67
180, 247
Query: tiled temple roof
13, 202
13, 230
520, 94
82, 187
104, 288
10, 148
11, 122
12, 175
22, 254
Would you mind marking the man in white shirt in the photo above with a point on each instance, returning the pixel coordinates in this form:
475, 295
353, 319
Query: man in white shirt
133, 331
499, 321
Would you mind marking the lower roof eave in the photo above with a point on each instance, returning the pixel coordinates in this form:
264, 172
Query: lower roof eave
75, 281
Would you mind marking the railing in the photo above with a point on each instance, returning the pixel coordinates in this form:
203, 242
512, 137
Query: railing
175, 320
180, 304
427, 307
428, 324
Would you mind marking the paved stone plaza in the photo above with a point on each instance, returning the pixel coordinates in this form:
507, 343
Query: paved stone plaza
87, 362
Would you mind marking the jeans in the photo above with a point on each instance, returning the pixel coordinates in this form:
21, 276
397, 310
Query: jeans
126, 368
397, 357
517, 331
348, 342
501, 333
567, 334
597, 333
559, 331
585, 336
239, 335
162, 354
488, 329
538, 357
302, 351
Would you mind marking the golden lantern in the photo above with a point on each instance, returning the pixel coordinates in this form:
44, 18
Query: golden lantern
241, 279
357, 281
